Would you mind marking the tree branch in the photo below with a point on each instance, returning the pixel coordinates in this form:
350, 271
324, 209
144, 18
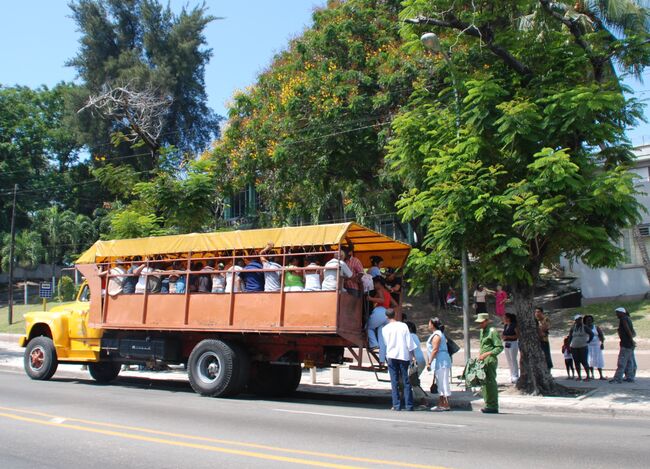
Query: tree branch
573, 27
484, 33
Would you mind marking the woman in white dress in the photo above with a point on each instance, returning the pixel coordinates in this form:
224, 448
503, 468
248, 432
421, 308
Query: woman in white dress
595, 348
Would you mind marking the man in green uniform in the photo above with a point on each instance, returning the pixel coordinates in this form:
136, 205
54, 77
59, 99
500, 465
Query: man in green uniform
491, 346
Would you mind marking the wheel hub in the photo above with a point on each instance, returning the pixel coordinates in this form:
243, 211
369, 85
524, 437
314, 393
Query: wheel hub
36, 358
208, 367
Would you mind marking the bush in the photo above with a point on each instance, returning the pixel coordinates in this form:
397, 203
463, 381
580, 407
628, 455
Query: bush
66, 289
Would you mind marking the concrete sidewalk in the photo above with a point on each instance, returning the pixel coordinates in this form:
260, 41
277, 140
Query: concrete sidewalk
597, 398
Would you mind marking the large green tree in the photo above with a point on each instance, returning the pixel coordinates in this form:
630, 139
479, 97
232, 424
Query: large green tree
147, 49
37, 151
535, 166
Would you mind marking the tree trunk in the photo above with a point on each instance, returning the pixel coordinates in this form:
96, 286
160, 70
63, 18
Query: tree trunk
535, 377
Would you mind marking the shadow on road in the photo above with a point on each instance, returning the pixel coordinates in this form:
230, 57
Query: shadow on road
319, 395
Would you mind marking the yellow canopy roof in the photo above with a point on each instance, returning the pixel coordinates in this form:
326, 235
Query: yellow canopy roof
366, 243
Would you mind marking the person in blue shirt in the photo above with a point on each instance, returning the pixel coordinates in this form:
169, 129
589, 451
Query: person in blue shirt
375, 269
134, 272
253, 281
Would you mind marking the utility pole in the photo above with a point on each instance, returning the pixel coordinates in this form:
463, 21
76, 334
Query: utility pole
10, 311
431, 42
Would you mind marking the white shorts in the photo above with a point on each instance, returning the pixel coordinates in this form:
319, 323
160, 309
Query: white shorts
442, 380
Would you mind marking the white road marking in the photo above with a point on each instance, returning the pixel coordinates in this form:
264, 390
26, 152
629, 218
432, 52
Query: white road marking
58, 420
416, 422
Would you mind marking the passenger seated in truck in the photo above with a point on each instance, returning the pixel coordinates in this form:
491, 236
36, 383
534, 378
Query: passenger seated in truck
293, 276
271, 278
394, 284
233, 281
353, 284
380, 295
376, 263
116, 282
219, 279
204, 282
332, 267
149, 282
314, 277
193, 284
253, 281
130, 281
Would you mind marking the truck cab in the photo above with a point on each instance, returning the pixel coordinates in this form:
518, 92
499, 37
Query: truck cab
60, 334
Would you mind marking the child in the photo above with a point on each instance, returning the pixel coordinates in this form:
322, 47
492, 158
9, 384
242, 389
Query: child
568, 358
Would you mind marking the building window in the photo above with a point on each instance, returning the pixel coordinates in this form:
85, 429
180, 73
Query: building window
242, 204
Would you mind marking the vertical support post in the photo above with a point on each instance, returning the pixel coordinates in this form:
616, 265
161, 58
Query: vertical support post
186, 318
26, 294
10, 310
233, 273
106, 296
283, 294
146, 295
465, 304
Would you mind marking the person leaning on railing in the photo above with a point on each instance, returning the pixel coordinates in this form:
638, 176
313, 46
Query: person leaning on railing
331, 271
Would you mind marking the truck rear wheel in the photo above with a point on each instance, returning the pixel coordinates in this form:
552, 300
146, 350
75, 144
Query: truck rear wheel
40, 358
273, 380
217, 368
104, 372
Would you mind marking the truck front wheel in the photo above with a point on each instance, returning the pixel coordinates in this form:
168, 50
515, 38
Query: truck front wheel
218, 369
40, 358
104, 372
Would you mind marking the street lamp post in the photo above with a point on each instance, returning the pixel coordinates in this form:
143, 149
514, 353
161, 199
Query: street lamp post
432, 43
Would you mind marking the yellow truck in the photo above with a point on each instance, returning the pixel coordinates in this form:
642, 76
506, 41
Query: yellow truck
230, 340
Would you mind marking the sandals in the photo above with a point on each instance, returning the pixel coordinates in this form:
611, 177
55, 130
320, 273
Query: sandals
440, 409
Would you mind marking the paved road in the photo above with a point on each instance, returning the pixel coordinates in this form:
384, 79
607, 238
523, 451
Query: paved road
138, 423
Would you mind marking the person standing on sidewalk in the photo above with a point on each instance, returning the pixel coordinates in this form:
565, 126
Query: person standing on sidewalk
595, 350
510, 337
580, 336
500, 298
437, 347
490, 347
568, 359
480, 299
626, 363
543, 331
399, 353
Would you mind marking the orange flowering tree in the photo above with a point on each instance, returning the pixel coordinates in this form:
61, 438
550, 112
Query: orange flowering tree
310, 134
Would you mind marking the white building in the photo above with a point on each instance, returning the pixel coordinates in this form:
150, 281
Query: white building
629, 279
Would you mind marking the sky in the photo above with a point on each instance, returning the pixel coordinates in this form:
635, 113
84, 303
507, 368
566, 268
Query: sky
38, 37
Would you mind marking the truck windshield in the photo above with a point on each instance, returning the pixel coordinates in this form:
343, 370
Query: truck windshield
85, 294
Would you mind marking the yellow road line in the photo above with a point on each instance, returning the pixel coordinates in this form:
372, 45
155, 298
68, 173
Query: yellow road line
59, 422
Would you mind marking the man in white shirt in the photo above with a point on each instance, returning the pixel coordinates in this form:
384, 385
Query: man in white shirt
232, 277
331, 269
271, 278
400, 348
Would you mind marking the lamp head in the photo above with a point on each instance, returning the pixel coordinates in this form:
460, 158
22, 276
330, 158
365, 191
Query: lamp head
431, 41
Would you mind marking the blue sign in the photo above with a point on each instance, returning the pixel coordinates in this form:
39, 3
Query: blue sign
45, 290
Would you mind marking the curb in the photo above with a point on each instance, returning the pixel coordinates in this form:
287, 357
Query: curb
13, 338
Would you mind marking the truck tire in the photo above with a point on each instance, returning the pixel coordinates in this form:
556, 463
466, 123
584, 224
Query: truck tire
40, 358
243, 368
217, 368
273, 380
104, 372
